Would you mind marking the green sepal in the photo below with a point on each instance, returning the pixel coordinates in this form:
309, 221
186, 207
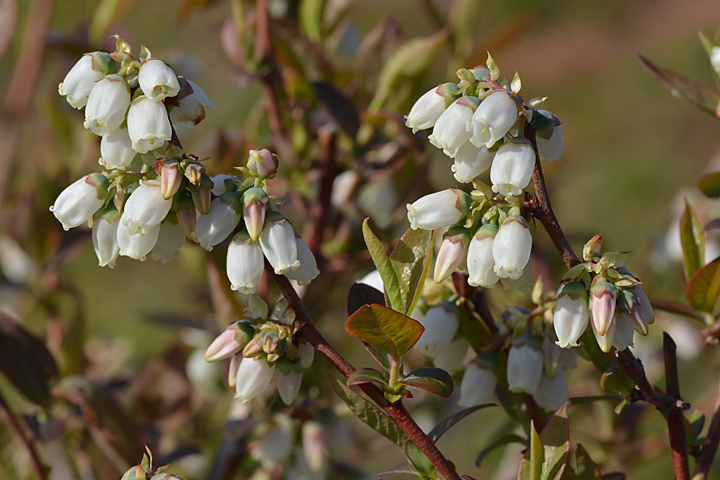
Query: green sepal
101, 183
121, 45
573, 290
493, 68
234, 200
103, 62
516, 83
144, 53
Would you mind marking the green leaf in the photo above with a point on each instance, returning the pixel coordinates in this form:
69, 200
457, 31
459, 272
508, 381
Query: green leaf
615, 380
402, 468
409, 61
531, 465
580, 466
366, 375
692, 239
370, 414
445, 425
381, 357
474, 330
682, 87
311, 18
431, 379
507, 439
410, 260
706, 43
418, 459
390, 331
710, 184
597, 357
694, 422
703, 287
555, 439
385, 267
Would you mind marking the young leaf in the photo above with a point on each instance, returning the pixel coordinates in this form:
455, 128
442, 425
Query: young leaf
682, 87
366, 375
580, 466
410, 260
390, 331
370, 414
383, 265
445, 425
381, 357
692, 239
555, 439
710, 185
418, 459
703, 287
430, 379
615, 380
361, 294
531, 465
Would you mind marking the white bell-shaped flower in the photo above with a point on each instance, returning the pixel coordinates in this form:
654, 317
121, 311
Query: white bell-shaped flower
571, 314
511, 247
471, 161
145, 208
440, 323
276, 443
105, 243
170, 239
217, 225
480, 260
550, 144
551, 394
245, 263
157, 80
603, 301
191, 108
477, 386
522, 283
107, 105
219, 186
288, 386
624, 334
136, 246
450, 357
512, 167
605, 341
279, 245
438, 210
81, 78
425, 112
449, 132
77, 203
253, 378
308, 270
525, 364
492, 119
116, 150
148, 124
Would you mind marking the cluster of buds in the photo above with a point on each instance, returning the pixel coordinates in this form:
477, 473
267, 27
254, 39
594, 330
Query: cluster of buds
480, 123
615, 306
263, 348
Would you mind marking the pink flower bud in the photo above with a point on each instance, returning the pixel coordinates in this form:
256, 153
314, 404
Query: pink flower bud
224, 346
604, 298
453, 251
170, 179
255, 202
262, 162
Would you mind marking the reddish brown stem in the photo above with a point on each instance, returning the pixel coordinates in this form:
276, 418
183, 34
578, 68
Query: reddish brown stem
676, 425
328, 173
35, 464
395, 410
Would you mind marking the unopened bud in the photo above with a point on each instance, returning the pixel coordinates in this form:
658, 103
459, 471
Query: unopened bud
255, 202
135, 473
592, 248
224, 346
603, 301
262, 162
170, 179
452, 254
193, 173
571, 314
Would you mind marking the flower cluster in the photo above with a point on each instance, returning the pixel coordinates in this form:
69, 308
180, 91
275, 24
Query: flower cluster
615, 306
480, 123
151, 208
263, 348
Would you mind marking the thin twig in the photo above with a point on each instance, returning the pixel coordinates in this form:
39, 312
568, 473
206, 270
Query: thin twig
37, 466
328, 172
676, 425
396, 410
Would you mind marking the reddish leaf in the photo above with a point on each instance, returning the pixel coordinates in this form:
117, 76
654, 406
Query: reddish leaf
692, 239
430, 379
703, 287
390, 331
710, 184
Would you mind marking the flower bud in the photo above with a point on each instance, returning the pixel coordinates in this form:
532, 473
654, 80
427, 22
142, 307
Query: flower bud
480, 261
245, 263
471, 161
116, 150
571, 314
135, 473
452, 253
217, 225
170, 179
278, 244
262, 162
148, 124
551, 394
193, 173
450, 356
593, 247
145, 208
78, 202
224, 346
157, 80
313, 445
628, 305
624, 334
307, 354
428, 108
275, 444
605, 342
492, 119
81, 78
604, 298
511, 247
235, 361
170, 239
137, 246
645, 308
513, 167
104, 237
550, 141
187, 216
308, 270
288, 386
449, 132
441, 323
191, 108
439, 210
478, 382
107, 104
525, 364
253, 377
255, 202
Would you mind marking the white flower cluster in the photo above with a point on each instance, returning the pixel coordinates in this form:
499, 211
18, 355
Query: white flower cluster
152, 209
262, 349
